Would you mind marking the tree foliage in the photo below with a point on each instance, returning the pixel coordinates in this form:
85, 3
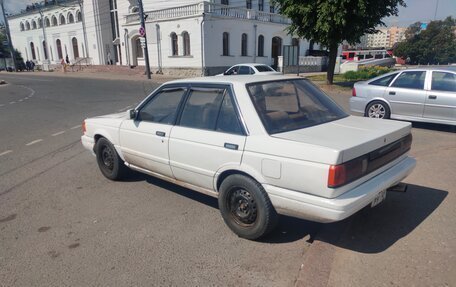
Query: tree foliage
434, 45
330, 22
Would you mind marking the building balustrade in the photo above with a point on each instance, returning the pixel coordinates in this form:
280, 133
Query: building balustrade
208, 8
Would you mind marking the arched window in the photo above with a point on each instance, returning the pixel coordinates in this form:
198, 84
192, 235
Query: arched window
261, 46
47, 23
295, 42
70, 18
22, 26
186, 42
225, 2
32, 49
226, 44
54, 21
174, 44
62, 19
139, 48
45, 50
27, 25
79, 16
59, 48
244, 44
74, 41
33, 24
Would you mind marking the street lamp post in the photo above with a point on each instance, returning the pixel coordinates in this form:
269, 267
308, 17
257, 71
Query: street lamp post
81, 7
143, 25
43, 26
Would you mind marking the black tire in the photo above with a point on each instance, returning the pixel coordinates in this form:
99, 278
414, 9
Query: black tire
109, 162
245, 207
377, 109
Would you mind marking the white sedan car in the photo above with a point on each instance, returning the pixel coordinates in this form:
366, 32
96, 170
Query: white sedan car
262, 145
250, 69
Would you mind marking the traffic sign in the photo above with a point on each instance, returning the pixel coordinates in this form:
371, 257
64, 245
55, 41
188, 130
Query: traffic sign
142, 31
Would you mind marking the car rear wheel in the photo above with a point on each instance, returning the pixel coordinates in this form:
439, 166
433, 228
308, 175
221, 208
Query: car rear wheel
109, 162
378, 110
245, 207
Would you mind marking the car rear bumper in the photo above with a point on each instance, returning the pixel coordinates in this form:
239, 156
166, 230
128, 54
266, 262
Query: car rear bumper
322, 209
358, 104
88, 143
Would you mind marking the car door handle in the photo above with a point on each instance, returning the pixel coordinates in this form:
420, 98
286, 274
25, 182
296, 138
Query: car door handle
231, 146
392, 93
432, 97
160, 134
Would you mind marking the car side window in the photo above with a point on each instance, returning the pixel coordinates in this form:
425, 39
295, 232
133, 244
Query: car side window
162, 108
410, 80
202, 108
228, 120
251, 71
385, 81
442, 81
244, 70
232, 71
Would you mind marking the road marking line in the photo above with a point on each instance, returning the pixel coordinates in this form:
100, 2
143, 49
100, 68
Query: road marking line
1, 105
6, 152
20, 100
75, 127
12, 103
32, 91
34, 142
31, 79
59, 133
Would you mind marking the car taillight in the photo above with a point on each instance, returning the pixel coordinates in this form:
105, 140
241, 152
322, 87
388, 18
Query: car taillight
347, 172
84, 127
354, 92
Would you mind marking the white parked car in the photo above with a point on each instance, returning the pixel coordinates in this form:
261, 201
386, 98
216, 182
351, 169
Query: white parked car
261, 145
250, 69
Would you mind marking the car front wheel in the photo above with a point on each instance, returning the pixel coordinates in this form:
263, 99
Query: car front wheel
109, 162
378, 110
245, 207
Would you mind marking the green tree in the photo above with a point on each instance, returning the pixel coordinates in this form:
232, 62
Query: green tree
330, 22
434, 45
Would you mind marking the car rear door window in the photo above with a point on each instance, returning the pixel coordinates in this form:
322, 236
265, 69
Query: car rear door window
202, 108
385, 81
162, 108
410, 80
228, 120
442, 81
244, 70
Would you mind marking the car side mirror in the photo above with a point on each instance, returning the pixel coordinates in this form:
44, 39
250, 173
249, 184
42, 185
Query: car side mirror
133, 114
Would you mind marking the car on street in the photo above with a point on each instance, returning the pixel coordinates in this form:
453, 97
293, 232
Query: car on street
250, 69
422, 95
262, 145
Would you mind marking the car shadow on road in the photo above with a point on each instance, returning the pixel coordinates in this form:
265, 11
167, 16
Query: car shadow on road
374, 230
435, 127
289, 229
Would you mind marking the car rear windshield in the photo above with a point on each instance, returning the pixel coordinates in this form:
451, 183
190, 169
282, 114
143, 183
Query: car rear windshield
292, 104
264, 68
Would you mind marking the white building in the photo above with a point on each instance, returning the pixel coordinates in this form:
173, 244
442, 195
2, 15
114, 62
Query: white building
190, 37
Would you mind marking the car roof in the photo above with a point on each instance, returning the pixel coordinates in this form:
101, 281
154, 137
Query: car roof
250, 64
432, 68
237, 79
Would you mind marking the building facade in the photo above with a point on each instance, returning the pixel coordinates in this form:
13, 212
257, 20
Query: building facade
185, 37
386, 37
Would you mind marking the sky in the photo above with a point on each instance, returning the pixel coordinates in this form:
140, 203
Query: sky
416, 10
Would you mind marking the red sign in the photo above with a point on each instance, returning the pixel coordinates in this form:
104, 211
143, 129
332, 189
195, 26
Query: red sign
142, 31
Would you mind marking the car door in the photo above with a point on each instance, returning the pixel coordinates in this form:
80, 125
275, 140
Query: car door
406, 94
207, 136
144, 140
441, 98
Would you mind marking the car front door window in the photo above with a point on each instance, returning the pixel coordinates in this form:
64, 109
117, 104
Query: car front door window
162, 108
410, 80
244, 70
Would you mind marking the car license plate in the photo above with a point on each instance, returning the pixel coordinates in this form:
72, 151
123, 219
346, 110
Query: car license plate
379, 198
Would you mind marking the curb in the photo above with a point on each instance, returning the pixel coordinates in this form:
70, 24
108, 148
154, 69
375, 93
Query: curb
317, 261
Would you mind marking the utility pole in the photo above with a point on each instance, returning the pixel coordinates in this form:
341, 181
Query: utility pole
436, 7
81, 7
8, 35
46, 50
143, 25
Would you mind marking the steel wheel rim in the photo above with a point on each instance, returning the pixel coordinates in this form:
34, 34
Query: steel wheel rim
242, 207
107, 158
377, 111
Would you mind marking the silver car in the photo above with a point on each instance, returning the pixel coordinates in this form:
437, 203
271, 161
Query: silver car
422, 95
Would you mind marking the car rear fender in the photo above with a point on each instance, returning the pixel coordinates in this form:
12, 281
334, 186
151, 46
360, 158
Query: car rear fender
230, 169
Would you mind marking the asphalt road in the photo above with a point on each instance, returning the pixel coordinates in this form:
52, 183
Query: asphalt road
63, 224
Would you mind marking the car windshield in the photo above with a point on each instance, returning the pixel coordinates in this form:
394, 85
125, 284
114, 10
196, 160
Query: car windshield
292, 104
264, 68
